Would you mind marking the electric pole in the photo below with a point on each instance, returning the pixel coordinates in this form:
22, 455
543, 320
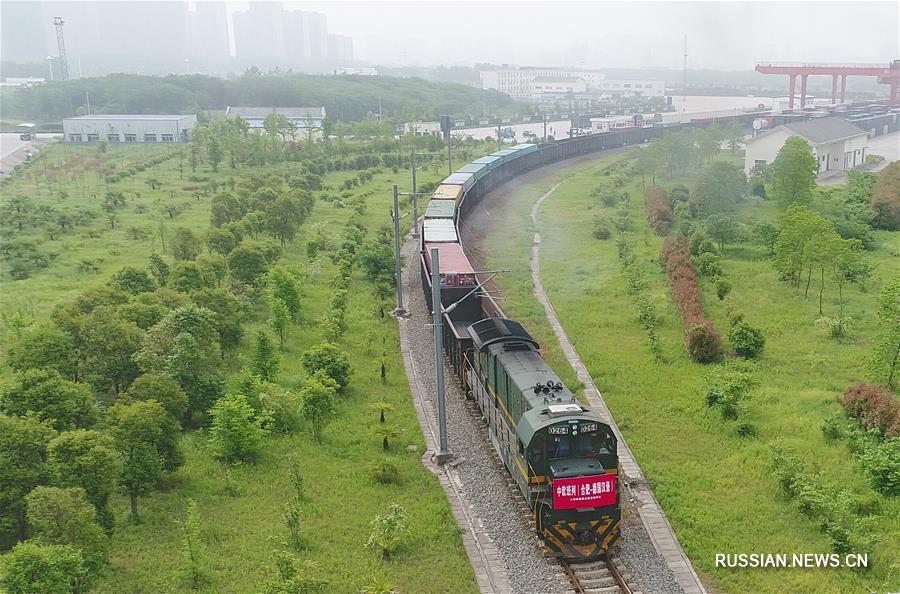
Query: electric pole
445, 128
437, 308
684, 84
395, 215
415, 195
58, 22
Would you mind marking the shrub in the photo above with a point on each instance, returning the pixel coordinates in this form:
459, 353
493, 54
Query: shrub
882, 466
703, 343
601, 227
31, 568
235, 432
723, 287
746, 430
327, 358
874, 408
385, 473
835, 426
709, 265
659, 209
747, 341
885, 199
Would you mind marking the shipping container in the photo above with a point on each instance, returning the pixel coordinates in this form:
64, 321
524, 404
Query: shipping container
447, 192
455, 269
524, 149
460, 179
479, 170
489, 160
439, 231
441, 209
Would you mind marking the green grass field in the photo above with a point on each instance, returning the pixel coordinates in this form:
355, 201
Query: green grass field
241, 531
717, 489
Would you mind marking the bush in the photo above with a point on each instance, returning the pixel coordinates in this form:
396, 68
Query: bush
874, 408
834, 426
747, 430
327, 358
601, 227
31, 568
659, 209
723, 287
385, 473
882, 466
709, 265
703, 343
747, 341
235, 432
885, 199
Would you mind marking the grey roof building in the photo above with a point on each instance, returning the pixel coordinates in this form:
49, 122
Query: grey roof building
836, 144
301, 117
129, 128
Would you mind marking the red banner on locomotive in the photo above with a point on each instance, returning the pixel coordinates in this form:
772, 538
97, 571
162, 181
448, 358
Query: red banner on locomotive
584, 491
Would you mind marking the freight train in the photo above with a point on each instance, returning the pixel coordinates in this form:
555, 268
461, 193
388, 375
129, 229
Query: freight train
560, 453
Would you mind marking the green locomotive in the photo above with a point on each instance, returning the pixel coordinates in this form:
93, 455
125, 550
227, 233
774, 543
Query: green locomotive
560, 453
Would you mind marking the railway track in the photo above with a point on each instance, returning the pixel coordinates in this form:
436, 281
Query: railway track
596, 577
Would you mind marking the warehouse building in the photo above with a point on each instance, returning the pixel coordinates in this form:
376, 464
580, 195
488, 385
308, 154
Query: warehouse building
836, 143
129, 128
304, 119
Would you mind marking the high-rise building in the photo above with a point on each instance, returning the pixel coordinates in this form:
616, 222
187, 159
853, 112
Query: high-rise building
259, 34
208, 35
316, 31
340, 47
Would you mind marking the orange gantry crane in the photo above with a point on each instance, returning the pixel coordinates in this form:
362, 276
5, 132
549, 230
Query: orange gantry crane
888, 74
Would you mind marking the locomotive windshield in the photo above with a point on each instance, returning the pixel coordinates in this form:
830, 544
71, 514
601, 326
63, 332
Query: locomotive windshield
572, 441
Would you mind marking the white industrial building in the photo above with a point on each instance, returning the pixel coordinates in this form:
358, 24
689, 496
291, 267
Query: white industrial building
129, 128
303, 119
424, 128
551, 82
836, 143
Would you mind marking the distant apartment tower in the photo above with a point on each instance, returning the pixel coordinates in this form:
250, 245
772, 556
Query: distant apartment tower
340, 47
259, 33
316, 34
208, 34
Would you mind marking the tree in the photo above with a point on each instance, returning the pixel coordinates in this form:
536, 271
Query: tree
185, 347
648, 162
44, 347
318, 402
133, 281
283, 217
188, 277
265, 362
721, 229
66, 517
327, 358
798, 229
766, 234
747, 341
162, 389
885, 199
185, 244
214, 152
279, 320
377, 259
386, 433
235, 433
31, 568
159, 269
108, 343
23, 457
249, 262
387, 530
137, 429
214, 269
225, 208
221, 241
87, 460
228, 313
720, 186
733, 134
794, 172
886, 356
192, 545
283, 285
65, 404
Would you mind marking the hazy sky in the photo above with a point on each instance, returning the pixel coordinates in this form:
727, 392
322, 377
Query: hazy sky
729, 35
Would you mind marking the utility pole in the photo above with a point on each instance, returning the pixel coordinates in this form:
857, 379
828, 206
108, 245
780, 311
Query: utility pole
87, 99
443, 454
395, 215
415, 195
544, 117
58, 22
498, 135
684, 84
445, 128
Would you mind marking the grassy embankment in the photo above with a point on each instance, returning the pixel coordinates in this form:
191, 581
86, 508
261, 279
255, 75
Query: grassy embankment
241, 531
717, 488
